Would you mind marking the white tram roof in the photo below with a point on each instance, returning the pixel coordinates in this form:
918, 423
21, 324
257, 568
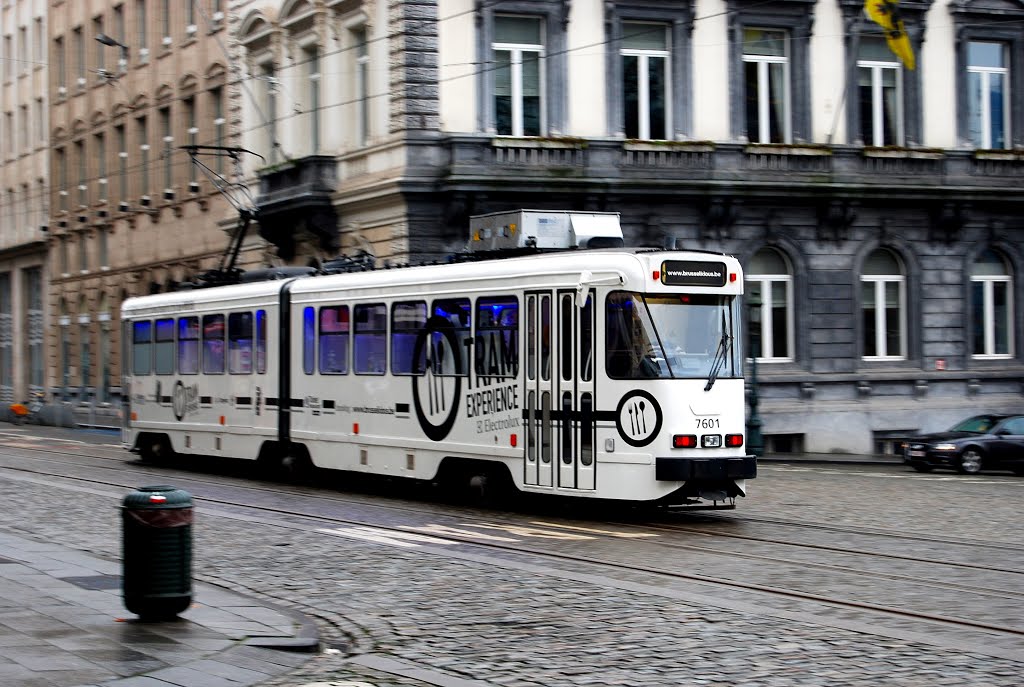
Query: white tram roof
633, 269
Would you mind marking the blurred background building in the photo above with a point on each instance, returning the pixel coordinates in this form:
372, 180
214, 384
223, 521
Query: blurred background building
876, 207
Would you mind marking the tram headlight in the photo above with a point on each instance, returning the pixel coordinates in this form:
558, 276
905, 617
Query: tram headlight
711, 441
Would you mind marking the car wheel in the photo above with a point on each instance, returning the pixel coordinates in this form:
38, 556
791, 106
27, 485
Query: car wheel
922, 467
970, 461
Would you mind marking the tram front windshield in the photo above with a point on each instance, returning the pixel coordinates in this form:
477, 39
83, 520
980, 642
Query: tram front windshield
677, 336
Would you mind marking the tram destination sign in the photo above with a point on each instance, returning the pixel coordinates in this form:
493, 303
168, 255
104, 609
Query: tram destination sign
692, 273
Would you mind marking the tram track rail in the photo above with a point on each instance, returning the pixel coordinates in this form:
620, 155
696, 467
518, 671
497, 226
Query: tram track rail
292, 518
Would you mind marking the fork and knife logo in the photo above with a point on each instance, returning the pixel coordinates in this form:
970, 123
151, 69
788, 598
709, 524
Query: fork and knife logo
638, 418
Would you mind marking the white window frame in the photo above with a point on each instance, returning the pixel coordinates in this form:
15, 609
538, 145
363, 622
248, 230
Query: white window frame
644, 83
879, 282
763, 94
986, 113
767, 352
988, 282
878, 102
516, 51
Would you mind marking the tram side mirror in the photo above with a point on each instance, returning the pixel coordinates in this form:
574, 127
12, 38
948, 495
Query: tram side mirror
581, 288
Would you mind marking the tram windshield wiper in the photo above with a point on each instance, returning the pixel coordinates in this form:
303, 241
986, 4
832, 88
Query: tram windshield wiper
720, 357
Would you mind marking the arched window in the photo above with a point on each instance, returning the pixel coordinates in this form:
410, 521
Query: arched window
991, 306
884, 306
770, 295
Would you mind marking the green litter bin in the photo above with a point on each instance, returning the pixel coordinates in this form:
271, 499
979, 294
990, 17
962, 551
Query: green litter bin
157, 552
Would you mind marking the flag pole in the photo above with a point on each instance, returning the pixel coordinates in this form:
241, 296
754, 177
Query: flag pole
848, 76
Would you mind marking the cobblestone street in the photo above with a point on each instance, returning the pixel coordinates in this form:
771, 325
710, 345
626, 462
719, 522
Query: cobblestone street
395, 616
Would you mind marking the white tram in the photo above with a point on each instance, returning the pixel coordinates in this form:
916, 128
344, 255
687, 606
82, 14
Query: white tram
606, 373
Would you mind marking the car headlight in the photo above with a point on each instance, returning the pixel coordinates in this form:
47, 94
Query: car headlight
944, 447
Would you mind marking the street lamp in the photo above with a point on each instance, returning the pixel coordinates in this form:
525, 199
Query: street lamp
755, 440
114, 43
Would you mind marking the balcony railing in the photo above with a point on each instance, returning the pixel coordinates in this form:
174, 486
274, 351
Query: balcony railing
923, 169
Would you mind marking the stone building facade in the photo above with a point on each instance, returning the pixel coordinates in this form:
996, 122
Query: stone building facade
130, 84
877, 209
24, 187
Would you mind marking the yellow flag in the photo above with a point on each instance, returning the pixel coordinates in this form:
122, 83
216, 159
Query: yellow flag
885, 14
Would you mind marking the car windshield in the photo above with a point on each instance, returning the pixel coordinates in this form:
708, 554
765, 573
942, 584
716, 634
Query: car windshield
979, 424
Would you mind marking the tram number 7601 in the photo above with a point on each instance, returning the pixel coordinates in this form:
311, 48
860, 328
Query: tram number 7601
707, 423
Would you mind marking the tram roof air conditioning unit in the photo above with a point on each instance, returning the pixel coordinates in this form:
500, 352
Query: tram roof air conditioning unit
544, 230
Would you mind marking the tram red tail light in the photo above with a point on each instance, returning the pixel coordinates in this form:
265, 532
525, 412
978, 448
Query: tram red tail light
733, 440
684, 441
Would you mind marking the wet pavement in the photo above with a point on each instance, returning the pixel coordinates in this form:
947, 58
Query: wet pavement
392, 617
63, 623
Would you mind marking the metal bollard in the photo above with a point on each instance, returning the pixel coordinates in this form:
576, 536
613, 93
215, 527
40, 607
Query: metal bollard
157, 552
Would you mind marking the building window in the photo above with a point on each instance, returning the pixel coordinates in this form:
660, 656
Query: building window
518, 76
883, 307
646, 80
61, 59
142, 133
83, 252
104, 250
880, 94
100, 48
36, 326
100, 148
142, 24
217, 105
78, 45
165, 22
62, 177
766, 83
268, 105
83, 188
988, 81
167, 135
770, 295
189, 105
6, 339
362, 87
991, 306
122, 162
312, 58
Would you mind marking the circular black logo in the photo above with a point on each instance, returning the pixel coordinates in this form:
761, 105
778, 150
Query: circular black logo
638, 418
436, 395
179, 400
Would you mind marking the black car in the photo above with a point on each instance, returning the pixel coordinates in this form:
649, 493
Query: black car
982, 442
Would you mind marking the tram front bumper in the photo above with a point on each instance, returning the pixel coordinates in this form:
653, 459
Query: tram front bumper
704, 469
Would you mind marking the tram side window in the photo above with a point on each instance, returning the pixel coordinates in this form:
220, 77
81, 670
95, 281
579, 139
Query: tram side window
240, 343
450, 355
188, 345
407, 321
163, 358
142, 347
261, 342
370, 344
308, 340
334, 329
213, 344
497, 337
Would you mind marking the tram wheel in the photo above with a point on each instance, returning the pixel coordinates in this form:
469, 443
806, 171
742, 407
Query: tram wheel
970, 461
155, 450
289, 464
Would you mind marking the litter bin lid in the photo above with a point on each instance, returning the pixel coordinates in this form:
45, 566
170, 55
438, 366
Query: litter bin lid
157, 497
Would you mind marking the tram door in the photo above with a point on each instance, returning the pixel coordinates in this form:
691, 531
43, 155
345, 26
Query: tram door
559, 446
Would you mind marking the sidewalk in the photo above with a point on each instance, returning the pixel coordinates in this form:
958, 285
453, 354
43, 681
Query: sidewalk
63, 624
